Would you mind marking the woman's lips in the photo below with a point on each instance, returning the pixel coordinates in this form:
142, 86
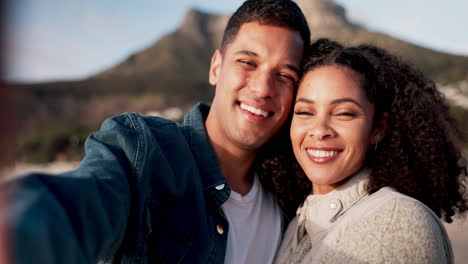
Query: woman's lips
322, 155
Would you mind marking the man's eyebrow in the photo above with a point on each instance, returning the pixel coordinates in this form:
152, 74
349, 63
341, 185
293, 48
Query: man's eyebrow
337, 101
292, 68
246, 52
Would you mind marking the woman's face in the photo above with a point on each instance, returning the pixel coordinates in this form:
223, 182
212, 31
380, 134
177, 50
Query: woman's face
332, 126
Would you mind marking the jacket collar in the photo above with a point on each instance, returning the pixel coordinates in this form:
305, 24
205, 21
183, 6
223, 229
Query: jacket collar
208, 165
320, 211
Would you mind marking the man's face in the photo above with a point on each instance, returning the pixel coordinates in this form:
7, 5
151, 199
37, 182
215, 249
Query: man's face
255, 79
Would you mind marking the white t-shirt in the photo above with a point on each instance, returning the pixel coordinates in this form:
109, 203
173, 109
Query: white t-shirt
254, 226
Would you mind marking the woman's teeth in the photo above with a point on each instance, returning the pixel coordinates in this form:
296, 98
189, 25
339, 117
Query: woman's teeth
322, 153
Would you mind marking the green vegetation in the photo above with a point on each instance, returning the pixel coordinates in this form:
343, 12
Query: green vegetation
65, 144
461, 114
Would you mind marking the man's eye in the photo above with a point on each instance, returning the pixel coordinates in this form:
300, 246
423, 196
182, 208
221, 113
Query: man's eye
247, 62
287, 77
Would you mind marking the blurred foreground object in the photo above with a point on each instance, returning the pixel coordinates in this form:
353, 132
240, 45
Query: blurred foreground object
6, 145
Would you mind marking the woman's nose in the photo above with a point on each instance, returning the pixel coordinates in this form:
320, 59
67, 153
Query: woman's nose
321, 129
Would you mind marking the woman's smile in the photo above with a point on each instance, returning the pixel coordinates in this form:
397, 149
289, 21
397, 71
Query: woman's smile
323, 155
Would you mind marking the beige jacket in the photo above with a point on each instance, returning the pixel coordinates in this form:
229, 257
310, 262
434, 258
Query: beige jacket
349, 226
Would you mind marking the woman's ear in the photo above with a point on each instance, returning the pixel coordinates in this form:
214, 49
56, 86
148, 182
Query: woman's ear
380, 129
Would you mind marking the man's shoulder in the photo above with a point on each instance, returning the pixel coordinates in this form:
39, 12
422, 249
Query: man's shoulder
143, 134
139, 124
132, 118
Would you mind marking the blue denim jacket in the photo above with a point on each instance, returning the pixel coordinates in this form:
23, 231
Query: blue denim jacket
149, 190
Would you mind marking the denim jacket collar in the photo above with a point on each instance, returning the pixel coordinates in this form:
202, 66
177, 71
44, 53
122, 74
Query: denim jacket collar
211, 174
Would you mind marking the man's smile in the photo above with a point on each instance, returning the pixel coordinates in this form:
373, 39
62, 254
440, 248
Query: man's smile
254, 110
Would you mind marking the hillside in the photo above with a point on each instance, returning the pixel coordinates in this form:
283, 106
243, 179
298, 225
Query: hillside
189, 49
173, 72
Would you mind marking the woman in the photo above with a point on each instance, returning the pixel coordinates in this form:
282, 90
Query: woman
374, 139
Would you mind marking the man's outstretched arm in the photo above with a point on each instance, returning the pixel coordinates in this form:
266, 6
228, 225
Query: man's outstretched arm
79, 216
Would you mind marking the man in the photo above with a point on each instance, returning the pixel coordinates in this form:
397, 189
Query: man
153, 191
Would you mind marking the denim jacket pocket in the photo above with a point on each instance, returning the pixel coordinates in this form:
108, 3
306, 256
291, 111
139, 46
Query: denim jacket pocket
165, 244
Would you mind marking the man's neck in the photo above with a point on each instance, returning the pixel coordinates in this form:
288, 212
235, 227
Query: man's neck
235, 162
236, 166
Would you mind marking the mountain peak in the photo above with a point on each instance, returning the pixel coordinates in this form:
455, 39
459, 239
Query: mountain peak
200, 25
193, 17
324, 13
193, 24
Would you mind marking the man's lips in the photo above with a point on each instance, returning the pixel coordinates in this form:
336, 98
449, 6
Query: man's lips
259, 111
323, 155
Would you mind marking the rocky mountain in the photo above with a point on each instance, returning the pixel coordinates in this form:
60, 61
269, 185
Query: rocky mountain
186, 50
173, 72
190, 47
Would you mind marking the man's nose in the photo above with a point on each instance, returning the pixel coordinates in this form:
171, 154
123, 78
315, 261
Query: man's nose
263, 85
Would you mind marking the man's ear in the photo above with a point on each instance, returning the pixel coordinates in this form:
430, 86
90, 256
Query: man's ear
215, 67
380, 129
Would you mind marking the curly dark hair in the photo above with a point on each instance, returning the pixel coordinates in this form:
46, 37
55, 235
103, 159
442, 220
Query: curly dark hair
418, 155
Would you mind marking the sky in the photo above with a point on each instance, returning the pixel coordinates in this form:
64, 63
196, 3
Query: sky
49, 40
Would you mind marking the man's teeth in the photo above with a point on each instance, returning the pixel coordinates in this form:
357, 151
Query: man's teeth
322, 153
254, 110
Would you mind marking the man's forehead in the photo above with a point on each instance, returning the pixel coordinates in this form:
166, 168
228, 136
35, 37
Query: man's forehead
253, 36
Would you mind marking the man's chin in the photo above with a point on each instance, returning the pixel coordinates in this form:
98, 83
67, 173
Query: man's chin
252, 143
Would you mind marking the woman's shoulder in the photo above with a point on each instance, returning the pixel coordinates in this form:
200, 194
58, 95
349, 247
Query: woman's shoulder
390, 227
397, 206
400, 226
390, 211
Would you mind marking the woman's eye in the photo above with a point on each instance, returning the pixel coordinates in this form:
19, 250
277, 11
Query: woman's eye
345, 115
302, 113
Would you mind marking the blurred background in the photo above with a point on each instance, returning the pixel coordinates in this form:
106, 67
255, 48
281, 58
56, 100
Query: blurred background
71, 64
68, 65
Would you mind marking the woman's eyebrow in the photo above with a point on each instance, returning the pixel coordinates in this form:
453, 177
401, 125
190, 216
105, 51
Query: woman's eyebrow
346, 100
304, 100
336, 101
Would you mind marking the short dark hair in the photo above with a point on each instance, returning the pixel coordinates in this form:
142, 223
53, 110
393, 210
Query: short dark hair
283, 13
